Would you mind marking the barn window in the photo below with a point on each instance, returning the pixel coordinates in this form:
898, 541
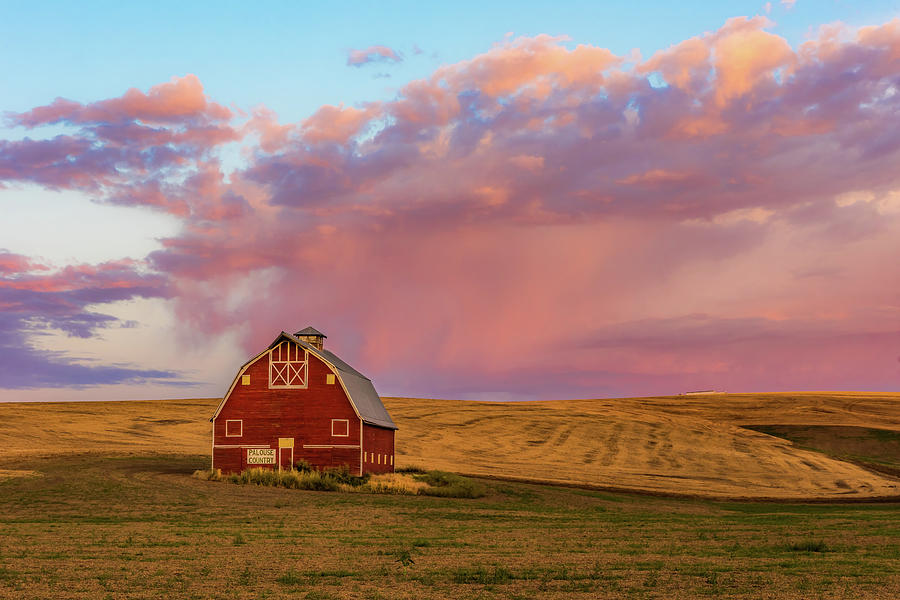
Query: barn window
392, 460
329, 379
340, 427
234, 428
287, 366
245, 380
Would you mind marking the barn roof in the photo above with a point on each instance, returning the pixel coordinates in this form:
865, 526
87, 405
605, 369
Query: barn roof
359, 388
311, 331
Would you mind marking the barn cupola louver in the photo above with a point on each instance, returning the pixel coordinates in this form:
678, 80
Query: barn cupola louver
312, 336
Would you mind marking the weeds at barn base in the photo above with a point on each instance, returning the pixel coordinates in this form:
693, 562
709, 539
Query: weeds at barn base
431, 483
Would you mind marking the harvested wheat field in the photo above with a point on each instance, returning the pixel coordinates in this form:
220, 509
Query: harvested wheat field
685, 445
693, 445
97, 501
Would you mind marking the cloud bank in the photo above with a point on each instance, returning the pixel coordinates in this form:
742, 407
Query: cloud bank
544, 220
35, 297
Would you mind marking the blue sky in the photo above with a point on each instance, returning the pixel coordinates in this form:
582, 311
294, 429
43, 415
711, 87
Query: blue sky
292, 55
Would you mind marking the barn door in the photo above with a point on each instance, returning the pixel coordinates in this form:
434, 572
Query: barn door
285, 459
285, 454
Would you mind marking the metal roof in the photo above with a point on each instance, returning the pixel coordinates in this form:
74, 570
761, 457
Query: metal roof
311, 331
359, 388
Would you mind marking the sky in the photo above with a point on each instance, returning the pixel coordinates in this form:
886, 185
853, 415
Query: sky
493, 201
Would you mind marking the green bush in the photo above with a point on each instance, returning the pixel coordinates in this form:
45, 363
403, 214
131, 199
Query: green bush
449, 485
342, 475
303, 466
412, 469
809, 546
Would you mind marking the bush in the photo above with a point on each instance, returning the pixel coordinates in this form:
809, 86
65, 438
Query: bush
412, 469
809, 546
208, 474
303, 466
449, 485
342, 475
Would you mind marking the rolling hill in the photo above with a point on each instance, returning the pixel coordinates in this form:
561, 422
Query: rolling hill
694, 445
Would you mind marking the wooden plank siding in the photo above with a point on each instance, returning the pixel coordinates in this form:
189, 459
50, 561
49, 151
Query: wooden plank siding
305, 415
378, 449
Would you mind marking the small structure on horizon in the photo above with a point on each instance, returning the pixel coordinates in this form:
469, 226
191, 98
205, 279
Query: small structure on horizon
701, 392
297, 401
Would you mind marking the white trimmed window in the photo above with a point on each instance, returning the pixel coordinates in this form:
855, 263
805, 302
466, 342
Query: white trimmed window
234, 428
340, 427
288, 365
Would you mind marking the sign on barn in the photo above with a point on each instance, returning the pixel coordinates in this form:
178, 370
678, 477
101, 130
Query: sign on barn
297, 401
260, 456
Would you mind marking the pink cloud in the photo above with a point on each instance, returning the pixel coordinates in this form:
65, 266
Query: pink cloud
336, 124
373, 54
273, 136
544, 220
663, 180
177, 101
685, 65
128, 150
540, 64
746, 57
16, 263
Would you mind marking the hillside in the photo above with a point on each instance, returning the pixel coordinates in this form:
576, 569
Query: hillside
685, 445
691, 445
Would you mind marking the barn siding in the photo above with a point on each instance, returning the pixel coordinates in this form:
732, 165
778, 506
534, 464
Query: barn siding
378, 442
228, 459
302, 414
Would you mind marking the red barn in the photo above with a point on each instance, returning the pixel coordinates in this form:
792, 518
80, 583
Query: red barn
295, 400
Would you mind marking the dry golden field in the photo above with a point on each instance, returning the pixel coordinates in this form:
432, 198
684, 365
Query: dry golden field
97, 501
692, 445
682, 444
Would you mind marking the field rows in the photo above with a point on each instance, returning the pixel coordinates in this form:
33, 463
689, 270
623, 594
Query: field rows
686, 445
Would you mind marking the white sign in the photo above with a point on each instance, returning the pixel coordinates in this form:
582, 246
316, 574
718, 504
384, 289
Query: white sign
260, 456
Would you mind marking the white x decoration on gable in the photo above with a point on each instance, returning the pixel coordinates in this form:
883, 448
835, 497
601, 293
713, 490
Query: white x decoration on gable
288, 366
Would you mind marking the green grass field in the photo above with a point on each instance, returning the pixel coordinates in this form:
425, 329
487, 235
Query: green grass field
139, 526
